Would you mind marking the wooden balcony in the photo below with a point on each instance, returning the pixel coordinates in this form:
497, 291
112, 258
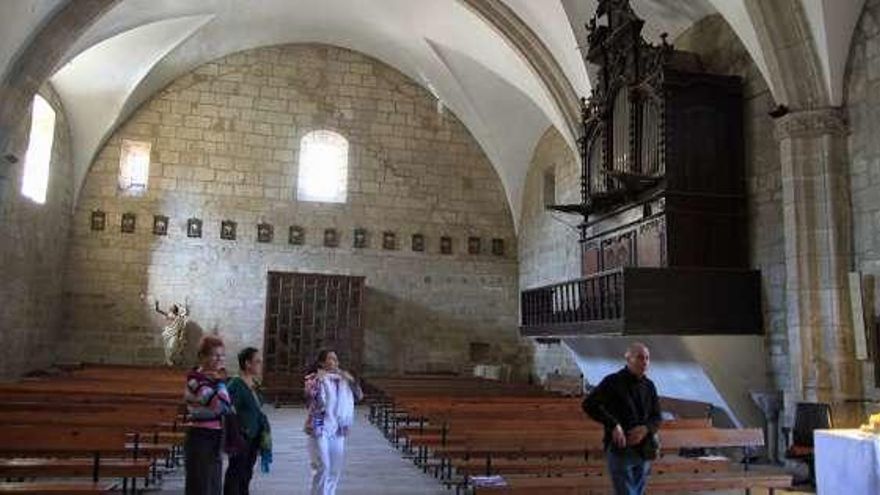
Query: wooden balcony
647, 301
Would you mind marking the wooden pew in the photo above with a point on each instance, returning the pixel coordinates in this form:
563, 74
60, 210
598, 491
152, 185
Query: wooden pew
535, 443
143, 420
451, 424
407, 411
435, 420
667, 483
117, 369
141, 406
122, 406
459, 433
456, 431
66, 397
477, 427
558, 466
23, 442
407, 400
669, 473
57, 488
154, 423
94, 387
153, 435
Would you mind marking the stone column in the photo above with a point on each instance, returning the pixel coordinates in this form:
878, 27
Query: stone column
818, 254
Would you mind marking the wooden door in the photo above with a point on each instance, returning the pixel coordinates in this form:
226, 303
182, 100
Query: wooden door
307, 312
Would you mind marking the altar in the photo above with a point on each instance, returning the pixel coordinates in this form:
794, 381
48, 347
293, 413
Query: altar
847, 461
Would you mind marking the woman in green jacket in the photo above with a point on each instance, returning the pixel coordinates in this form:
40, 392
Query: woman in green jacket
244, 391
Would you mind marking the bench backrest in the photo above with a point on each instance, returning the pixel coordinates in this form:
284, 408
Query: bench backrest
68, 397
467, 425
568, 441
93, 387
121, 408
136, 422
48, 438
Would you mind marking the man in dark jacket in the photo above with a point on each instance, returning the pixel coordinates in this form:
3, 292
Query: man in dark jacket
626, 403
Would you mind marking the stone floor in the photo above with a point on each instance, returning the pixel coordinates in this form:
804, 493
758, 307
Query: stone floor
373, 467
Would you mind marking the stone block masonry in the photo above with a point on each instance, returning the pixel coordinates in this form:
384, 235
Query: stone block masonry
863, 103
33, 253
225, 146
548, 242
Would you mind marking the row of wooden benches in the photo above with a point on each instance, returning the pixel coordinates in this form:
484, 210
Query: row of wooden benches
467, 431
90, 429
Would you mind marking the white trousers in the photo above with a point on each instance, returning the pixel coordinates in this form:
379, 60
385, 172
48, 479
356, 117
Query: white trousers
327, 455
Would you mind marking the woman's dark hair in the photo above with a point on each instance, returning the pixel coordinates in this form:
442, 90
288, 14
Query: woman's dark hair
174, 309
319, 361
246, 355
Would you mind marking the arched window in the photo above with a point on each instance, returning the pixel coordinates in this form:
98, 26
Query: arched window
35, 178
323, 167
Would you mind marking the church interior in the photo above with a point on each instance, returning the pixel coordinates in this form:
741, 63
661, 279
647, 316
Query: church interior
480, 205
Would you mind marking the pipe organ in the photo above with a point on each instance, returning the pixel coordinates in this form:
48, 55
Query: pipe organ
662, 188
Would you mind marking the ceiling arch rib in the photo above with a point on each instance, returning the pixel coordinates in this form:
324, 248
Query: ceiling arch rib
96, 84
35, 62
832, 24
548, 21
743, 23
535, 53
29, 16
492, 92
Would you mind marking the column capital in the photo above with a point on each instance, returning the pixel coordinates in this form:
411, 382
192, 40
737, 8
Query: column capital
812, 123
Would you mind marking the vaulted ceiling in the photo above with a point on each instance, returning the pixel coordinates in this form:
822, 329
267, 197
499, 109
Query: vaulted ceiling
450, 47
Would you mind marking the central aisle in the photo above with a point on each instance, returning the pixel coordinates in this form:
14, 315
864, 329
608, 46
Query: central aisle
372, 467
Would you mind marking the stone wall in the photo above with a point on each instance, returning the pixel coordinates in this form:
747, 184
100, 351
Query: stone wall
225, 141
33, 252
548, 242
863, 108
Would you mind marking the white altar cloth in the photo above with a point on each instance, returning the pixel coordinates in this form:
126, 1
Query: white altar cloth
847, 462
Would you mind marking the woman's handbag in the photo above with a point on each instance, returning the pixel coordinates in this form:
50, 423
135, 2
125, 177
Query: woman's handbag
234, 441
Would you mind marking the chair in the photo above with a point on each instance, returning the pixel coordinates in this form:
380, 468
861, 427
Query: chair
808, 417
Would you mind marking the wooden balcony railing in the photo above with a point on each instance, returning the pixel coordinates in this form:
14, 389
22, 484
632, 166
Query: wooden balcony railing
647, 301
597, 297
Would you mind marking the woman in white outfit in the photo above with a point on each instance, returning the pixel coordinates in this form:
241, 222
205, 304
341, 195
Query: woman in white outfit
330, 396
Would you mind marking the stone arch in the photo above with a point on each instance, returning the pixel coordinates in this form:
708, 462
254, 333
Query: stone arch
39, 59
794, 67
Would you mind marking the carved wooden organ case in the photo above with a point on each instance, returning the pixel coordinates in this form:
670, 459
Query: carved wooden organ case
663, 234
662, 153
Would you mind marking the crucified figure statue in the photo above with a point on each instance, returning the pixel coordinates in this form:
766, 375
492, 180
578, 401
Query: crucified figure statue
174, 333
